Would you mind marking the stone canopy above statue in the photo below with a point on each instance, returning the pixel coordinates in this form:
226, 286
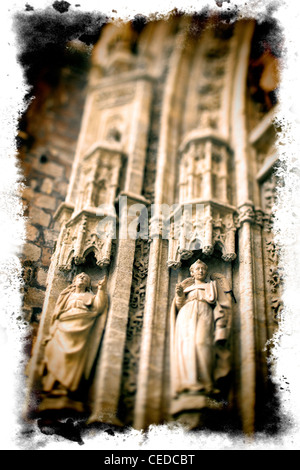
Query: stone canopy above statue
169, 126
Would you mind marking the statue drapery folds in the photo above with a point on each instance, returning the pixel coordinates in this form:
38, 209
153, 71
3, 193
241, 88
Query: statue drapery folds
200, 327
76, 330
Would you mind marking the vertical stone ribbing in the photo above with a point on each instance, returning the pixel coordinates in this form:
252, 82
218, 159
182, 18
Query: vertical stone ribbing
109, 374
140, 272
246, 308
133, 333
150, 378
172, 108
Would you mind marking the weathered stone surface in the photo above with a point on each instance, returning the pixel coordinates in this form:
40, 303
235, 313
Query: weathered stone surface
38, 216
46, 256
41, 277
60, 186
33, 183
194, 365
49, 168
34, 297
28, 194
66, 366
32, 233
45, 202
31, 252
168, 119
50, 237
47, 186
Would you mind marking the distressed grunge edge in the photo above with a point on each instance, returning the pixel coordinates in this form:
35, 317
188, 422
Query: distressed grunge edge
287, 344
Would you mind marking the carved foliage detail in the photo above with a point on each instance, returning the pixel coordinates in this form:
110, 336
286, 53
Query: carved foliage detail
207, 230
134, 328
82, 237
246, 214
274, 279
268, 193
273, 270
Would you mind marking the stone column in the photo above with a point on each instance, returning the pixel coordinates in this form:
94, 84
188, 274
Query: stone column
109, 369
138, 136
153, 346
207, 177
244, 31
261, 320
133, 101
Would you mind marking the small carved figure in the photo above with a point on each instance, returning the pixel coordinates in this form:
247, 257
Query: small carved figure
76, 330
200, 323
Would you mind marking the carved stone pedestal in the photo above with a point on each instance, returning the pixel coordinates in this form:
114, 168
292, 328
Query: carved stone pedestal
191, 403
61, 403
200, 412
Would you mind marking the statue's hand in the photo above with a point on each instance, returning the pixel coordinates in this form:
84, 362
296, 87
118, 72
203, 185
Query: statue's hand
179, 290
102, 284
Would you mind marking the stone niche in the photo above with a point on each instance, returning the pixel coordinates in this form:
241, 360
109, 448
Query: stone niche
196, 403
165, 117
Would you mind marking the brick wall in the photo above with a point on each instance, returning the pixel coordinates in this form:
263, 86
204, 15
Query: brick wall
47, 142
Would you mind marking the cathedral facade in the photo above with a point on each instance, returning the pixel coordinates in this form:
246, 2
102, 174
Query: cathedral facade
151, 275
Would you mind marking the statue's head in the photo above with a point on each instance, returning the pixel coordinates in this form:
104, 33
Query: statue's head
199, 270
82, 280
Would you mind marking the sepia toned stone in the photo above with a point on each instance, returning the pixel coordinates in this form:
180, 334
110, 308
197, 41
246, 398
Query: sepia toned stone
49, 168
28, 194
45, 202
32, 233
38, 216
41, 277
169, 201
34, 297
47, 186
200, 326
46, 256
31, 251
50, 236
62, 371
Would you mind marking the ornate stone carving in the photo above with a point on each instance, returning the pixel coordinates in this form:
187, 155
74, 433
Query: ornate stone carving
76, 329
200, 325
134, 329
119, 50
213, 225
204, 185
92, 226
273, 271
259, 217
140, 272
193, 80
84, 234
268, 193
246, 213
99, 177
114, 128
204, 172
274, 279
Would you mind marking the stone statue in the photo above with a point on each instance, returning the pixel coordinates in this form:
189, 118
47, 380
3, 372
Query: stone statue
200, 323
76, 330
